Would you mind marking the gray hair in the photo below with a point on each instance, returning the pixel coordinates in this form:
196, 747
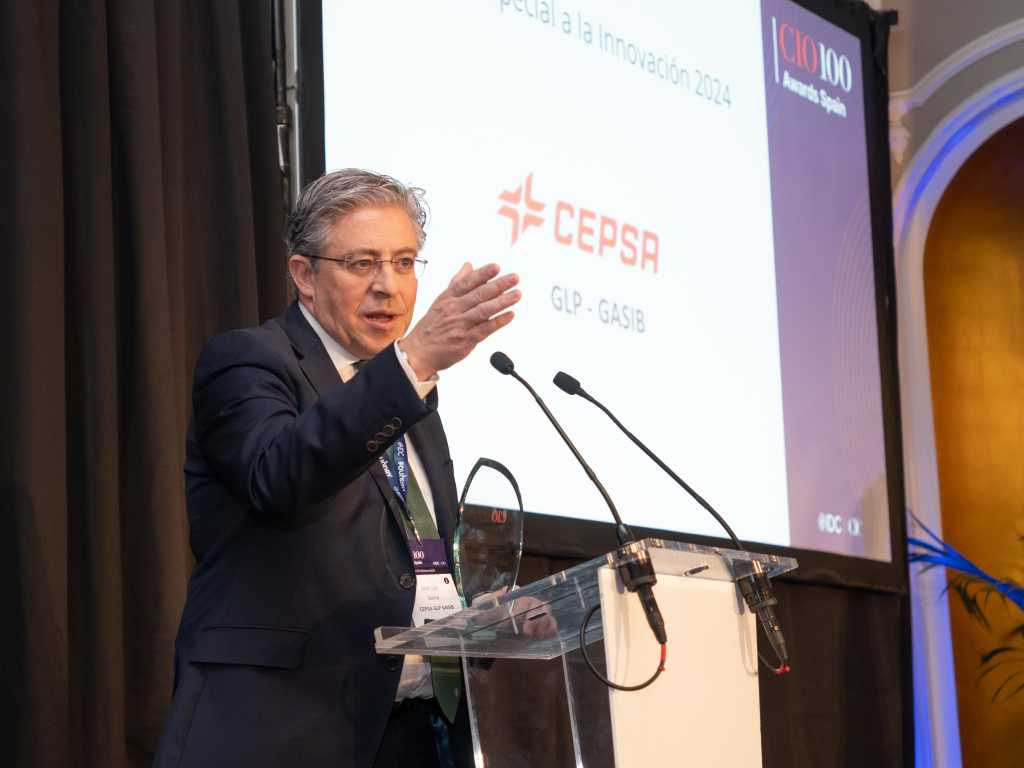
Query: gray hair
325, 200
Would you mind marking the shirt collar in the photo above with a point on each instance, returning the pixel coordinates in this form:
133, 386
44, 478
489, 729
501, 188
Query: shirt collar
340, 356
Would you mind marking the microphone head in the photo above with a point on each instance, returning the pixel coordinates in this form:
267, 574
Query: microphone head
502, 363
567, 383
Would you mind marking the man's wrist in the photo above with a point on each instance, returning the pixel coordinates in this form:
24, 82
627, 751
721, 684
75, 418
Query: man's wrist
408, 353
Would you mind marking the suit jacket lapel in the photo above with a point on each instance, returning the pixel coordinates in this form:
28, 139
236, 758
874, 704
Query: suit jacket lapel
312, 357
393, 502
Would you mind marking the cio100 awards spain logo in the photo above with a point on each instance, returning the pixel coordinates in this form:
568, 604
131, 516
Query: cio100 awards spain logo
820, 74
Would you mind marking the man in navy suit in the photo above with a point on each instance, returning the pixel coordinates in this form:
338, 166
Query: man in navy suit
316, 468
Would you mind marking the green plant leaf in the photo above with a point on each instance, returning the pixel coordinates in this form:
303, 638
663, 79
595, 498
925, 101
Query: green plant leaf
961, 586
1003, 684
1016, 690
988, 656
933, 550
985, 672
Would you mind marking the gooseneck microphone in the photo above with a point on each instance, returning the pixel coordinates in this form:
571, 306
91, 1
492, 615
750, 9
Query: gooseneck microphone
756, 588
571, 386
504, 365
637, 576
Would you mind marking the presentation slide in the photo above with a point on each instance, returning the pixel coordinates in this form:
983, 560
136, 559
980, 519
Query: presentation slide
683, 190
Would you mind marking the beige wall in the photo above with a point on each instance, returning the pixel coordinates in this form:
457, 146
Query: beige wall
930, 30
921, 121
934, 34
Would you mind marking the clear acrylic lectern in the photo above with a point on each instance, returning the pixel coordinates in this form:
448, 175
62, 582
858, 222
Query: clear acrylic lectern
533, 702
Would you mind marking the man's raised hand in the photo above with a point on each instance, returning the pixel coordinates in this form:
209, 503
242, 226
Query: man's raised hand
473, 306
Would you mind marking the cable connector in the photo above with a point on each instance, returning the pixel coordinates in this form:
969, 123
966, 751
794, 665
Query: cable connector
760, 598
638, 576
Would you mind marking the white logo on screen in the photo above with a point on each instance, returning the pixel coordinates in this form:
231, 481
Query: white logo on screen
816, 59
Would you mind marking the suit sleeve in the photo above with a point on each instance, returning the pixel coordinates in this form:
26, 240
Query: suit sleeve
274, 459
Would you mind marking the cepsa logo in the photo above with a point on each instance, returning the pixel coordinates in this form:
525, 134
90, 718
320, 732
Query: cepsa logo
802, 51
583, 229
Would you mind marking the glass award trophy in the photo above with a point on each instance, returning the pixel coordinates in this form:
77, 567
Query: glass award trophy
488, 542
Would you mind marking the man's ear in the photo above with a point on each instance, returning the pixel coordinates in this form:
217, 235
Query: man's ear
301, 270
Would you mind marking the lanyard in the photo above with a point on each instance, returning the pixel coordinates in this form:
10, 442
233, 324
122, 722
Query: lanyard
396, 468
428, 555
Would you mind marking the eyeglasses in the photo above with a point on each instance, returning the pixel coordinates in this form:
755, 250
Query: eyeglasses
364, 266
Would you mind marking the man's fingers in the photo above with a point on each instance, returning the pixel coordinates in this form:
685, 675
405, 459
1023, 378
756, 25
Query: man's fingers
484, 311
488, 291
464, 270
464, 282
483, 330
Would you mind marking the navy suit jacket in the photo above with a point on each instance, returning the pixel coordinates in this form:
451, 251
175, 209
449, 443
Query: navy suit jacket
300, 551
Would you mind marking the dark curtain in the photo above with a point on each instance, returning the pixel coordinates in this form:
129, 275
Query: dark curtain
144, 214
848, 701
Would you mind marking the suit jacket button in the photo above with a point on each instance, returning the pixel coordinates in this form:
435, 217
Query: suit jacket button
388, 430
394, 662
396, 423
372, 446
407, 581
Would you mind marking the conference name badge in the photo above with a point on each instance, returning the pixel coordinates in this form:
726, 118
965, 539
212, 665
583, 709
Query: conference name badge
436, 595
436, 598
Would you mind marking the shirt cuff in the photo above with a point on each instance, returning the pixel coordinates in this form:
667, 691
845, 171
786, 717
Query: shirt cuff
423, 388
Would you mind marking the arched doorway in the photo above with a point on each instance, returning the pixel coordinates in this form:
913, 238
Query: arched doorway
974, 304
932, 168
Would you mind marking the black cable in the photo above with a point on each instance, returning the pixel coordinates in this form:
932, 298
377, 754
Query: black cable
594, 670
779, 670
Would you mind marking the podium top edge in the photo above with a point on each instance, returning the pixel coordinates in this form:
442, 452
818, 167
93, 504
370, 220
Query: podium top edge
670, 558
780, 563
